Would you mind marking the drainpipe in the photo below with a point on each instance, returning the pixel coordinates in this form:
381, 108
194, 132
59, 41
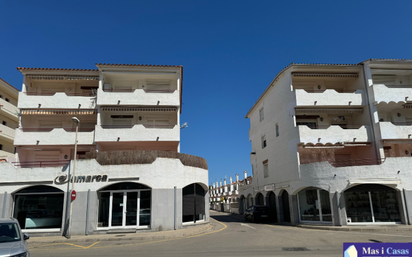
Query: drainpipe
175, 189
408, 221
4, 205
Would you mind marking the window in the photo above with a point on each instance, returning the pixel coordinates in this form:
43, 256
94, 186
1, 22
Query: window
265, 169
261, 114
263, 141
4, 123
277, 130
1, 147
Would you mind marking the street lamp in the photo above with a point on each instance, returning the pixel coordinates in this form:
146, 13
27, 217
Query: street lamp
77, 121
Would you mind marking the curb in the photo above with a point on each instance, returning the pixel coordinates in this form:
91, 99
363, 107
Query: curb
126, 237
363, 229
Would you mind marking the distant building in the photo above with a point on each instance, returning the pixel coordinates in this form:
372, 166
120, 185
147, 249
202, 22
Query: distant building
331, 143
129, 172
8, 118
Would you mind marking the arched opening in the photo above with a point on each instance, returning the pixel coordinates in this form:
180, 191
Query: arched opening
242, 204
39, 207
259, 199
285, 206
249, 200
272, 206
124, 205
372, 203
193, 203
314, 205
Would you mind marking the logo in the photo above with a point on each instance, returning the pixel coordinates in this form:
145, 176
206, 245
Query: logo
63, 179
377, 249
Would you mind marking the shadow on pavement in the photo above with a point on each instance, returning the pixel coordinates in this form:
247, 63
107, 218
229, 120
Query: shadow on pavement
237, 218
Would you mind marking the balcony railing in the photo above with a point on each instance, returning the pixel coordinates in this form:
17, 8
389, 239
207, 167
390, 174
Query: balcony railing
333, 134
34, 164
387, 93
329, 97
126, 90
50, 129
68, 94
343, 126
356, 162
406, 123
131, 126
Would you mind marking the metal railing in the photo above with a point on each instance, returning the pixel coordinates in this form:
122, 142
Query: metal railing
34, 164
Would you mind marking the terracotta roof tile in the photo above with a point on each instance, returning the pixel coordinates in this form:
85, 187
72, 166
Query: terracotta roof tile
54, 69
9, 84
138, 65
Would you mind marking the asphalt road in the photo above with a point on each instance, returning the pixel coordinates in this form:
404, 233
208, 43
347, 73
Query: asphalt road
231, 237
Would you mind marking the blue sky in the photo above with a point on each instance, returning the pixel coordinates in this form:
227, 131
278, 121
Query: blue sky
230, 51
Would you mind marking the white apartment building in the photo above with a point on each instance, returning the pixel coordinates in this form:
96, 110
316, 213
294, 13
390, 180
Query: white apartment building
115, 130
225, 197
331, 143
8, 119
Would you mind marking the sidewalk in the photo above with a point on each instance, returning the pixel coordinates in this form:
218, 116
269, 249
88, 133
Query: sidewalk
190, 230
355, 228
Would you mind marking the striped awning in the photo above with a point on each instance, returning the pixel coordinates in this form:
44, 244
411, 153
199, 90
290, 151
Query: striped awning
337, 111
139, 109
61, 77
325, 74
58, 112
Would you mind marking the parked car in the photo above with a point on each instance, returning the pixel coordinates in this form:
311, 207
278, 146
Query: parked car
256, 213
12, 240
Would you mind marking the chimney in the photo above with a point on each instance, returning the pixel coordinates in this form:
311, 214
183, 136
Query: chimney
224, 182
237, 177
245, 174
231, 181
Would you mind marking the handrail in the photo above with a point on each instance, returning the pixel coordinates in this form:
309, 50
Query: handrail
41, 164
53, 93
133, 89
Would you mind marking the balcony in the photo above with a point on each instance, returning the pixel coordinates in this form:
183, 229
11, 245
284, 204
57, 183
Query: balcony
392, 93
6, 133
395, 130
138, 97
333, 134
137, 132
328, 97
8, 109
58, 100
52, 136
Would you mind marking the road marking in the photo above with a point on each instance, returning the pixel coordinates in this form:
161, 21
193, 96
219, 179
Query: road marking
243, 224
111, 246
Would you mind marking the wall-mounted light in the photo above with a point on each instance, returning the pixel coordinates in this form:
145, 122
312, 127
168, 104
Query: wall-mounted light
118, 101
80, 105
316, 102
319, 86
399, 171
158, 102
118, 139
321, 118
157, 139
39, 105
37, 142
398, 114
406, 152
140, 117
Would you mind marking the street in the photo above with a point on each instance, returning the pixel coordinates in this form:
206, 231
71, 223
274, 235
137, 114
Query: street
230, 237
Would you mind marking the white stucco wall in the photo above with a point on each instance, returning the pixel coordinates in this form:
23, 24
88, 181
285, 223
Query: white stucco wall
329, 98
57, 101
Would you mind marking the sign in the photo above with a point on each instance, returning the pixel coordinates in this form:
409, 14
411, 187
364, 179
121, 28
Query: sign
377, 249
73, 195
63, 179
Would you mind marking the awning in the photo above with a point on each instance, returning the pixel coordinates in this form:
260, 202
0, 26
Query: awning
62, 77
139, 109
58, 112
325, 74
328, 110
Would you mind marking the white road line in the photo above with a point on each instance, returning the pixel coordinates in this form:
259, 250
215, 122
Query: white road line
243, 224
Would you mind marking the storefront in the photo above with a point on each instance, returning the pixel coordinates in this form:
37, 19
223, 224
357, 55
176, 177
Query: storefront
314, 205
372, 203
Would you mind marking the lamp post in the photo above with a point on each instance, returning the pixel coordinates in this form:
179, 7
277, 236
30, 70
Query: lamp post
77, 121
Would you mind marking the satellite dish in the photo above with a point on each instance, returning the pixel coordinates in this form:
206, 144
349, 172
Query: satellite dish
184, 125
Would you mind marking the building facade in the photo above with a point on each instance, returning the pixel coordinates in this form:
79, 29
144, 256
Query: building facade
9, 119
331, 143
112, 134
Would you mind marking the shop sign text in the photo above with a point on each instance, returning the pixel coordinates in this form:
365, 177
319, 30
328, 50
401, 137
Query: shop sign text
80, 179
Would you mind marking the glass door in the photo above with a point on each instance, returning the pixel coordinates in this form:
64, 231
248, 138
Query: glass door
131, 208
117, 209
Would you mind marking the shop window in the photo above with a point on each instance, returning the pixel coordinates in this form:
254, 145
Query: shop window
193, 203
263, 141
261, 114
358, 201
314, 205
39, 207
124, 204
